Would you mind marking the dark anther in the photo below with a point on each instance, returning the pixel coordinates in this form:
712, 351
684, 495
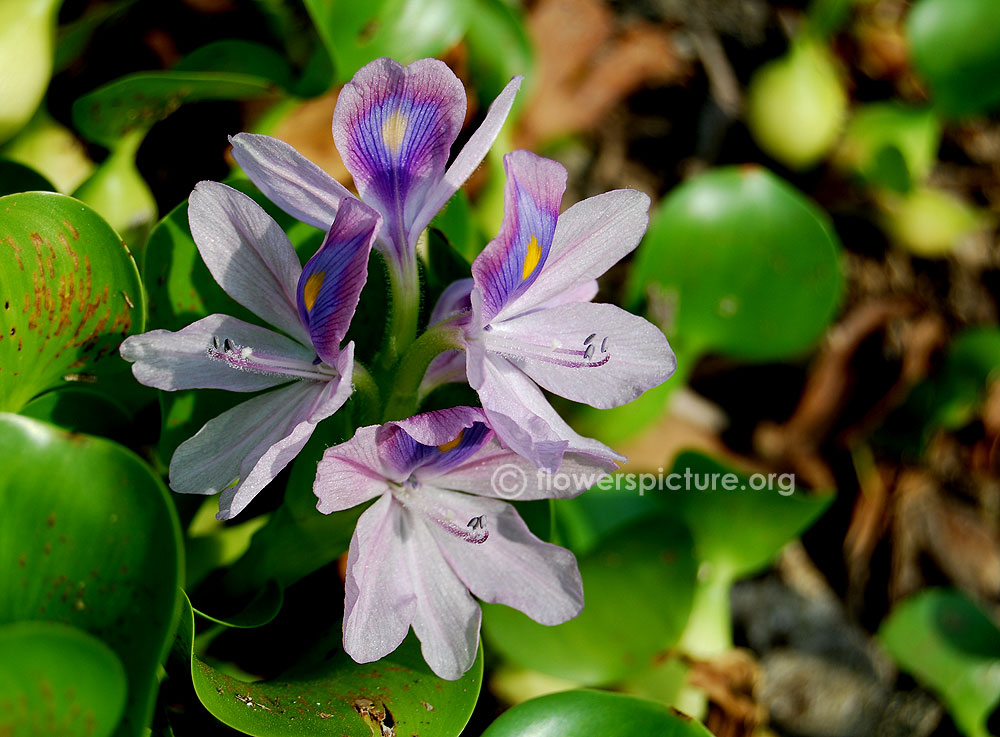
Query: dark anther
227, 344
586, 341
604, 345
477, 523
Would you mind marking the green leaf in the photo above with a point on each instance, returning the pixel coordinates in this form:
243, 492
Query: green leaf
573, 713
766, 518
71, 293
260, 610
27, 35
79, 409
739, 262
499, 48
336, 696
138, 101
240, 57
910, 135
796, 104
646, 570
955, 45
16, 177
405, 30
56, 679
89, 538
119, 193
952, 647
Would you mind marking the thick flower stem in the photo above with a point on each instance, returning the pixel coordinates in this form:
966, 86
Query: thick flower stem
404, 286
410, 369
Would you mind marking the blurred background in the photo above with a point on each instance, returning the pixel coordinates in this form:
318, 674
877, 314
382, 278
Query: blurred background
822, 255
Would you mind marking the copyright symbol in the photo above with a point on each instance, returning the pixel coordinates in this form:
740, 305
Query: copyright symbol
509, 481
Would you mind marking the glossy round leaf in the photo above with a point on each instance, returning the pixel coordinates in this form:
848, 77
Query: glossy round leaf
638, 586
405, 30
70, 292
89, 538
738, 261
955, 45
136, 102
56, 679
239, 57
338, 697
951, 646
586, 713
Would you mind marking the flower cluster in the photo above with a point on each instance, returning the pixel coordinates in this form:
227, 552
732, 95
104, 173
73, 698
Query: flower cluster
437, 534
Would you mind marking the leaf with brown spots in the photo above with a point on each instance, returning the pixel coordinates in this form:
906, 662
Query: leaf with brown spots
71, 295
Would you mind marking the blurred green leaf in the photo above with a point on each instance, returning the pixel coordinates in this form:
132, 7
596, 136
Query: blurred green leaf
766, 518
739, 262
52, 150
577, 713
74, 37
138, 101
336, 696
499, 48
456, 222
262, 608
91, 540
891, 145
638, 585
79, 409
825, 17
16, 177
405, 30
796, 104
240, 57
56, 679
955, 45
119, 193
27, 36
929, 222
71, 293
951, 646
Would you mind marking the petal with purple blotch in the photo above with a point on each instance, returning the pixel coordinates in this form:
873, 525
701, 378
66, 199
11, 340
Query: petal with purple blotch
330, 285
512, 261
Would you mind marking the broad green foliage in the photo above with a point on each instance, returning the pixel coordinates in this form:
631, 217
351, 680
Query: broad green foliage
89, 538
56, 679
406, 30
955, 45
951, 646
136, 102
71, 294
336, 696
646, 570
578, 713
740, 263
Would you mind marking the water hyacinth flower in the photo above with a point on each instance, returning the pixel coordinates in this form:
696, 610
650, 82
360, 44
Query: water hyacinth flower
244, 448
440, 533
394, 127
530, 322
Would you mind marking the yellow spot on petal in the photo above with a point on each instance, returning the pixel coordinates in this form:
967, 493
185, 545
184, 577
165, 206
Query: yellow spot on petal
451, 444
393, 131
311, 290
531, 258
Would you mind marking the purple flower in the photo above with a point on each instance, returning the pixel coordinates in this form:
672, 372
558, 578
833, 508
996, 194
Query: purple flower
394, 127
530, 322
241, 450
438, 533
